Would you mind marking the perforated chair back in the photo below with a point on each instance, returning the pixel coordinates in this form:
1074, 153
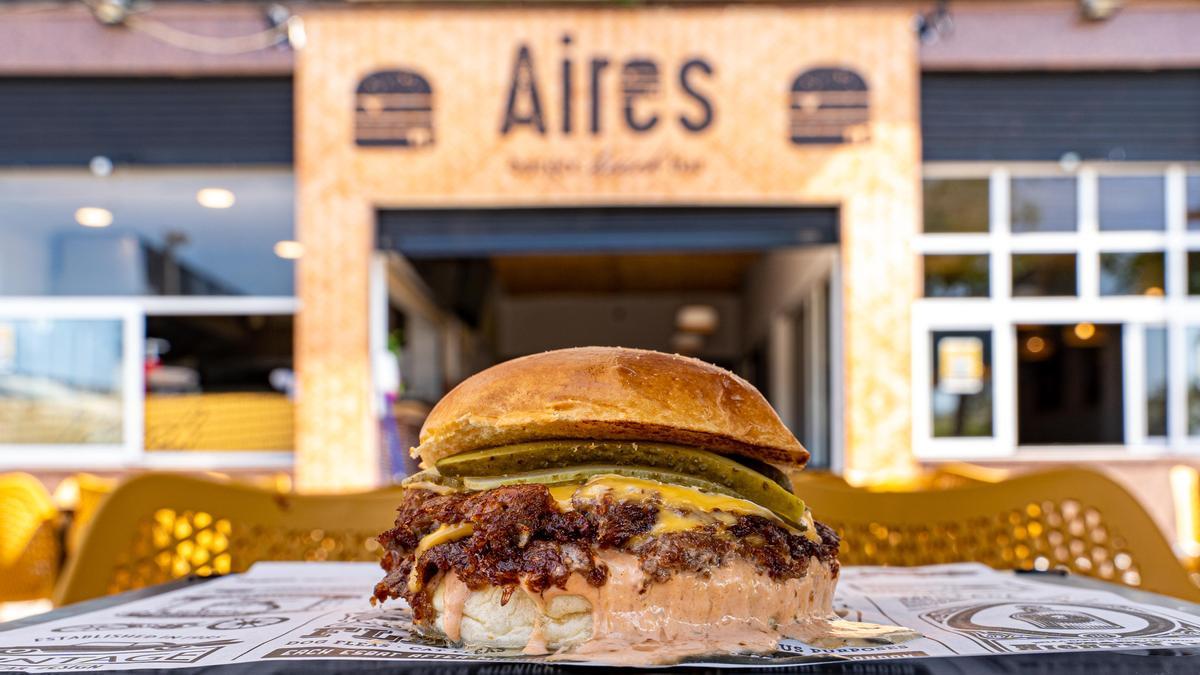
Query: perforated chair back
30, 548
1076, 519
158, 527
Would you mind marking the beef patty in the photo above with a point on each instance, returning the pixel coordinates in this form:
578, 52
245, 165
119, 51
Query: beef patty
521, 534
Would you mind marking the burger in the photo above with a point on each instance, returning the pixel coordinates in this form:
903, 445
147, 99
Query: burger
619, 505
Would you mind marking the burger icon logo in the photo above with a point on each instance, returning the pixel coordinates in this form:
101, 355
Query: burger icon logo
393, 108
829, 106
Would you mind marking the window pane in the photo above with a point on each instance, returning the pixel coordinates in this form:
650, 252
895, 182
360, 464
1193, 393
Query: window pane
1193, 387
1070, 384
219, 383
962, 383
145, 232
1133, 203
1131, 274
1156, 381
60, 381
1193, 272
1044, 205
956, 276
1193, 202
959, 205
1035, 274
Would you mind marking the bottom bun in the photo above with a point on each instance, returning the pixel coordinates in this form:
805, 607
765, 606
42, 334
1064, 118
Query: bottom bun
733, 608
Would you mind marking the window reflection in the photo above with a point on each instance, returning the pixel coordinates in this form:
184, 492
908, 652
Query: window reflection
1156, 381
958, 205
956, 276
60, 381
962, 383
1044, 205
1193, 202
219, 383
1193, 386
1038, 274
1193, 272
1132, 203
145, 232
1131, 273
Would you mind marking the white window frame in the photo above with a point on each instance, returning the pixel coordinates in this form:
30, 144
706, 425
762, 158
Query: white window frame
99, 455
1000, 313
131, 453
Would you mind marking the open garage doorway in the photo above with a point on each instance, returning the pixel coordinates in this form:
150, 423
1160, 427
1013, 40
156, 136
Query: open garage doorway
751, 289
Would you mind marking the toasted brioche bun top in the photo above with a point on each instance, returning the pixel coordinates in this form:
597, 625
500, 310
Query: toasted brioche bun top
608, 393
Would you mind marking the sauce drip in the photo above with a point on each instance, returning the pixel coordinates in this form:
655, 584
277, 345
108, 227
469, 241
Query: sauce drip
732, 610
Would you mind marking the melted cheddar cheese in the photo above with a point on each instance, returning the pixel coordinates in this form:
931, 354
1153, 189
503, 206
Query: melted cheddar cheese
683, 508
443, 535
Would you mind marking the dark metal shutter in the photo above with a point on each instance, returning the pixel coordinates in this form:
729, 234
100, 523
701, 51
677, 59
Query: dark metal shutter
1126, 115
211, 120
447, 233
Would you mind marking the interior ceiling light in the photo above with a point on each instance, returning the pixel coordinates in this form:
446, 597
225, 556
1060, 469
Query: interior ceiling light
1085, 331
93, 216
288, 249
1099, 10
1035, 345
215, 198
100, 166
702, 319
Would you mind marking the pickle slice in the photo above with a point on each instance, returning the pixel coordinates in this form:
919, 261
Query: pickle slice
431, 480
582, 473
791, 512
681, 461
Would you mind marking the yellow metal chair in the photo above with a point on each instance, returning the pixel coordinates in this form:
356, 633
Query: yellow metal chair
1070, 518
30, 548
81, 494
960, 474
159, 527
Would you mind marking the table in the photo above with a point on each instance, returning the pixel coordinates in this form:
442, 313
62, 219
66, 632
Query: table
1085, 663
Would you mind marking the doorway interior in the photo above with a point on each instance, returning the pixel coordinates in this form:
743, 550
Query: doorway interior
752, 290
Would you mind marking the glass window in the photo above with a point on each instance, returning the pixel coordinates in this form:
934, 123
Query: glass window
1133, 203
1044, 205
1070, 384
1193, 272
962, 383
219, 383
1156, 381
956, 276
1193, 202
957, 205
1035, 274
1193, 386
146, 232
60, 381
1131, 274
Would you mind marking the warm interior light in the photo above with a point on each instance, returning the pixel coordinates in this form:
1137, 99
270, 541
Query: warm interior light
1085, 331
1155, 291
215, 198
701, 319
93, 216
288, 249
1035, 345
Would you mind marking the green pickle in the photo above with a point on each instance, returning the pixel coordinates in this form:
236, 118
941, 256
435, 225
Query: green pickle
566, 461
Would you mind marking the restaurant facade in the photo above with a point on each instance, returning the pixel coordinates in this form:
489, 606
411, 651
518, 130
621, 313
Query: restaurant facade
928, 232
